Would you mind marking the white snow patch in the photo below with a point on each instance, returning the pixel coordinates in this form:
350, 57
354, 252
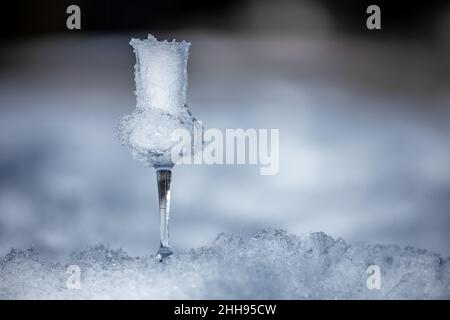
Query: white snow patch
269, 265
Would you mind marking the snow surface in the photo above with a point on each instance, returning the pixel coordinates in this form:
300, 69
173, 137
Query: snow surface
269, 265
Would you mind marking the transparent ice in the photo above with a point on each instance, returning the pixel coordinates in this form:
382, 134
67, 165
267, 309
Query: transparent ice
269, 265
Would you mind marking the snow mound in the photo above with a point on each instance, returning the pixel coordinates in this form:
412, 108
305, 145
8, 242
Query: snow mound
270, 265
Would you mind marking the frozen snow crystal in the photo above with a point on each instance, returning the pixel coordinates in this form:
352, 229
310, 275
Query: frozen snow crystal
148, 135
160, 73
161, 82
270, 265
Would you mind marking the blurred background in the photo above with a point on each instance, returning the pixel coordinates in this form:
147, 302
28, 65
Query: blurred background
363, 116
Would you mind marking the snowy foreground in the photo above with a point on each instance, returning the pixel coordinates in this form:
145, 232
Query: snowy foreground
270, 265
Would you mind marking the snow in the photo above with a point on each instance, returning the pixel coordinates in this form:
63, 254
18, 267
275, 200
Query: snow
160, 73
161, 82
148, 134
271, 264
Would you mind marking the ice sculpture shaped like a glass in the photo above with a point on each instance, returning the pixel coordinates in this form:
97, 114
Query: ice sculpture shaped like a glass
161, 82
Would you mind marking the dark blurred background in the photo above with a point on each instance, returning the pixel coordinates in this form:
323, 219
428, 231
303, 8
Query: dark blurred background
363, 118
400, 17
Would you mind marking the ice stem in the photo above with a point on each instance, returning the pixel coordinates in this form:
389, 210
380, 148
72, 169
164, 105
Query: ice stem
164, 176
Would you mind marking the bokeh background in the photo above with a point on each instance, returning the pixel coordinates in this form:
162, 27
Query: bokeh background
363, 116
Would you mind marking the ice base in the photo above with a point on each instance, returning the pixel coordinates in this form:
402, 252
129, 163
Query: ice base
163, 253
270, 265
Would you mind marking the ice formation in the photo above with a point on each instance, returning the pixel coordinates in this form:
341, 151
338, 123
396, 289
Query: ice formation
161, 82
270, 265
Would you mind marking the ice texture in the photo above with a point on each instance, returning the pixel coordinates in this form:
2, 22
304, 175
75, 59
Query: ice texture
160, 73
269, 265
148, 135
161, 82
